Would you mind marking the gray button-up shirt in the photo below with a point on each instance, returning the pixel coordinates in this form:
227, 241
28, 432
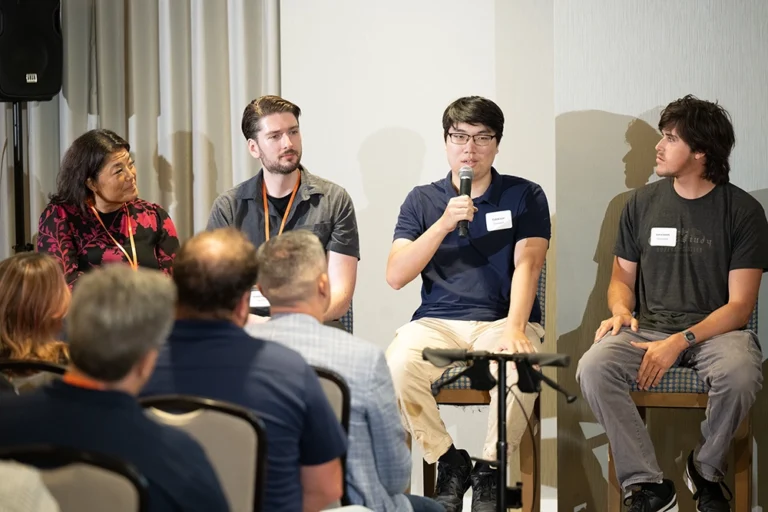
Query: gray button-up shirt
321, 206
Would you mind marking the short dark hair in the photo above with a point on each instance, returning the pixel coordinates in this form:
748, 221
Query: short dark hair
474, 110
262, 107
707, 128
213, 270
84, 160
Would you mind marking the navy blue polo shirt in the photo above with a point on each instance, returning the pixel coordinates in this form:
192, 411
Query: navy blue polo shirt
217, 359
470, 278
179, 475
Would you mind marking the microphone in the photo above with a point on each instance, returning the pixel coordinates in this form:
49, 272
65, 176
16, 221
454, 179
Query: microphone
441, 357
465, 189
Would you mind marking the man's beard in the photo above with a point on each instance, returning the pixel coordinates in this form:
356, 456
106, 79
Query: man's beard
275, 167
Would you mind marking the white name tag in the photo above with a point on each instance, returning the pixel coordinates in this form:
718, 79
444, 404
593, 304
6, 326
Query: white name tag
495, 221
258, 300
663, 237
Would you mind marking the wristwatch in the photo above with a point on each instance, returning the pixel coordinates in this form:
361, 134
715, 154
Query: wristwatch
689, 337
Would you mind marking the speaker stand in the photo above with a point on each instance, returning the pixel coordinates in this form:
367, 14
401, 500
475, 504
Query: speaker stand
18, 181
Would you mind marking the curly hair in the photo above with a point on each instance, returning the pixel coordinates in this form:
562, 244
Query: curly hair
707, 128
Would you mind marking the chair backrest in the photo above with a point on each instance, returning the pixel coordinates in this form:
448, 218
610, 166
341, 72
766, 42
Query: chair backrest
752, 324
22, 489
6, 386
541, 292
347, 320
233, 438
85, 481
34, 373
337, 392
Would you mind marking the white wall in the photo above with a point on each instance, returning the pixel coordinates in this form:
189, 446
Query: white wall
373, 79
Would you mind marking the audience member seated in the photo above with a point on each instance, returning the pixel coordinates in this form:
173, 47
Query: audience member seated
209, 354
117, 322
96, 216
293, 276
34, 299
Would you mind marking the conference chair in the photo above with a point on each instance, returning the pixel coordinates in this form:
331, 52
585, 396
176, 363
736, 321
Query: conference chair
336, 390
85, 481
29, 374
681, 388
233, 438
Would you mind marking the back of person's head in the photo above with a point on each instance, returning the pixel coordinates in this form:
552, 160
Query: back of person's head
118, 320
214, 272
706, 127
474, 110
34, 298
293, 269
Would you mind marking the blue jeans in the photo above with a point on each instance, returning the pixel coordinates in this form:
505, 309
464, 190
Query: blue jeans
422, 504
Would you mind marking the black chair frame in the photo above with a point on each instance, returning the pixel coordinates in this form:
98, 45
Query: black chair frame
48, 456
189, 403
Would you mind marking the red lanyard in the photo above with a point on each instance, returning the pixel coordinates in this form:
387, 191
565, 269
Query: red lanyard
266, 208
134, 263
81, 381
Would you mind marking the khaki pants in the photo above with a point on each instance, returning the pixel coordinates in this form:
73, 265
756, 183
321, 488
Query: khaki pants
412, 377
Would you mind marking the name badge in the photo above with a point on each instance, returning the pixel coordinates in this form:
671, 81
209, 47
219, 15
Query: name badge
495, 221
663, 237
258, 300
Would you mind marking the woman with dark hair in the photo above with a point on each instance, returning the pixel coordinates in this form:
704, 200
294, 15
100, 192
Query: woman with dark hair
34, 299
95, 217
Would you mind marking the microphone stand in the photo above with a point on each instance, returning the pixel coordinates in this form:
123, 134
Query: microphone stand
529, 381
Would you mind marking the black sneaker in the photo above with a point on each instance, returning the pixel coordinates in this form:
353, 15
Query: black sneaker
452, 482
654, 498
708, 495
484, 486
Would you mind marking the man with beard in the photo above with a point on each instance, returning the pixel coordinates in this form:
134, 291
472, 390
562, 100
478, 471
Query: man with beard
285, 196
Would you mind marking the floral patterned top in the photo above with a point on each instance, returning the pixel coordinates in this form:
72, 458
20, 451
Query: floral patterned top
80, 243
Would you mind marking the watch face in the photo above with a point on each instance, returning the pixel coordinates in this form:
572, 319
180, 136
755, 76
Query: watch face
690, 336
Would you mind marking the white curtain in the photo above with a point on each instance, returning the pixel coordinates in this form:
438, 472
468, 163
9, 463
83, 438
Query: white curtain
173, 78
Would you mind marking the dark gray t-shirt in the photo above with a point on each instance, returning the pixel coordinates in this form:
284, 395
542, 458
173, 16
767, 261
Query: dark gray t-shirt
685, 249
320, 206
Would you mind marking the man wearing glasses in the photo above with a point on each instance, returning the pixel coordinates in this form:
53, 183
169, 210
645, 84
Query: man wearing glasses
478, 291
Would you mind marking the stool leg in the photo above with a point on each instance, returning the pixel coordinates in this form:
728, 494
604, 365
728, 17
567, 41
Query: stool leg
409, 444
742, 447
529, 466
614, 488
430, 478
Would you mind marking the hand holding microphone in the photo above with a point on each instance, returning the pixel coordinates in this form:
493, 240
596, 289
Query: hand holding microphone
460, 210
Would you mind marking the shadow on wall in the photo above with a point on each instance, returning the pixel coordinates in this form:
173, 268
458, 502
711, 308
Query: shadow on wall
391, 162
175, 180
601, 158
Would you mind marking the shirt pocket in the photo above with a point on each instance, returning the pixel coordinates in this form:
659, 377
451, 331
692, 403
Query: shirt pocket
322, 230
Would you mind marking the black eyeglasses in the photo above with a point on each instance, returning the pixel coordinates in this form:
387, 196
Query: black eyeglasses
462, 138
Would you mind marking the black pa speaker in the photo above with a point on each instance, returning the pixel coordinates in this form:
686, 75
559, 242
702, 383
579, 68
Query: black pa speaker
31, 50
